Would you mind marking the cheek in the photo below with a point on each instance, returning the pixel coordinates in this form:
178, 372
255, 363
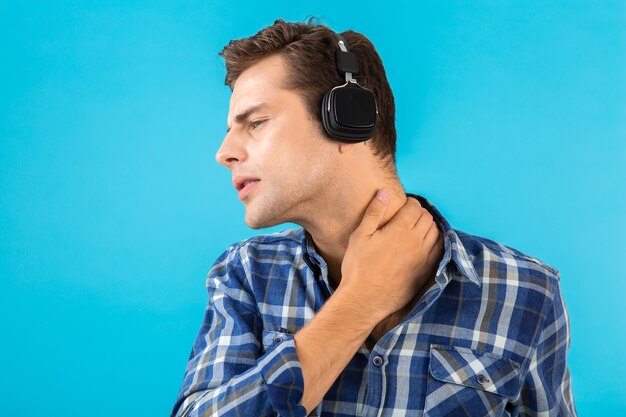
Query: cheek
293, 153
282, 155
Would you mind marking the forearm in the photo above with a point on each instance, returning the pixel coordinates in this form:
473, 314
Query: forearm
328, 342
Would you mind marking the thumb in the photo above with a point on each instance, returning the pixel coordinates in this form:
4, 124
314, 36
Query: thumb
374, 213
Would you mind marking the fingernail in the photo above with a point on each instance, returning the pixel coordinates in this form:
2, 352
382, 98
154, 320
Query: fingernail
383, 195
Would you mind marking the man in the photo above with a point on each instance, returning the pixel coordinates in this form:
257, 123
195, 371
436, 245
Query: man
376, 306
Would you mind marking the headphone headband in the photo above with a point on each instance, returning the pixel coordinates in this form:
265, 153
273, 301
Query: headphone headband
346, 61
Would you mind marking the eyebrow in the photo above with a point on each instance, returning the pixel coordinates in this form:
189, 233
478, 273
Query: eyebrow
243, 116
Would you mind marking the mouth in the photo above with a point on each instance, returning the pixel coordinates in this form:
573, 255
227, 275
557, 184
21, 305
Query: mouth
246, 187
241, 184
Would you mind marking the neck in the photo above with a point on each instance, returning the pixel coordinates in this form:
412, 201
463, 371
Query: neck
331, 229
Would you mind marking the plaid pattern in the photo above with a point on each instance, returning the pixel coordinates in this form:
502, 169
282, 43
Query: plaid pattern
490, 338
480, 370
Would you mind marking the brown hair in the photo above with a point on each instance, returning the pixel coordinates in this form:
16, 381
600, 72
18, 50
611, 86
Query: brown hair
309, 50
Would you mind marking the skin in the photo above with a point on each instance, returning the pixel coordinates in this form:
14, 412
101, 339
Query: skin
329, 188
329, 183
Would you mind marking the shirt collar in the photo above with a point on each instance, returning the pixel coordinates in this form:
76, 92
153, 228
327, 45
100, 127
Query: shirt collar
453, 247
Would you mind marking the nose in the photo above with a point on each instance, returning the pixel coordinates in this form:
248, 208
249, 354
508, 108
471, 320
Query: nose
231, 151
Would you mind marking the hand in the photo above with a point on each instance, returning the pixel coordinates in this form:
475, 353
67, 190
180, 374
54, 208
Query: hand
384, 267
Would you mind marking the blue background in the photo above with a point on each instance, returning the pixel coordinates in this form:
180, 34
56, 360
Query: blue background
510, 116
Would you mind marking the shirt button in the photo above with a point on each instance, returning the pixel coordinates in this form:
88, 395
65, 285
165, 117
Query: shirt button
482, 379
377, 360
278, 339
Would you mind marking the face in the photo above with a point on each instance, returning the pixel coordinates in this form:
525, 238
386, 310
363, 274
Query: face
274, 150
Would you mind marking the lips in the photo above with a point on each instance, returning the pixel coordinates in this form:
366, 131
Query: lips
240, 181
244, 184
247, 188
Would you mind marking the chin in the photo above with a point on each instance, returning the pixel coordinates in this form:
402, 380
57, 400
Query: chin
267, 210
260, 220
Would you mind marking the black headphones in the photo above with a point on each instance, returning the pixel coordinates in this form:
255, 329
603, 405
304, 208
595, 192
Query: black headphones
349, 110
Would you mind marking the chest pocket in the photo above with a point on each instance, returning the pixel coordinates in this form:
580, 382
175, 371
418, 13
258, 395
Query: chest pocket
272, 337
464, 381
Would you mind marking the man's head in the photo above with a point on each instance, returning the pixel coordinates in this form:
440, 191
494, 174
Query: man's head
287, 68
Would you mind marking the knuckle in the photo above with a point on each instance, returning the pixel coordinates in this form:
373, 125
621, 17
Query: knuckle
426, 219
419, 213
415, 209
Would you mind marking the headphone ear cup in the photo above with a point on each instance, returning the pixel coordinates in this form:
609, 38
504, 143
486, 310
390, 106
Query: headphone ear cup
344, 107
349, 111
325, 114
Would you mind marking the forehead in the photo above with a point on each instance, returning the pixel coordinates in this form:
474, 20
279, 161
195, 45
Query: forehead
262, 82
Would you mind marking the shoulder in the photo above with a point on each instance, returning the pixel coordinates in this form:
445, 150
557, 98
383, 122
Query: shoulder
242, 256
235, 271
498, 263
267, 245
515, 299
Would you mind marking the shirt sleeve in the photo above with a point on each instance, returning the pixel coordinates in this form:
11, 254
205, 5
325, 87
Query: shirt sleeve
547, 387
227, 373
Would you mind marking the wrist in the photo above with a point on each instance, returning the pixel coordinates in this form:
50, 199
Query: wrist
359, 306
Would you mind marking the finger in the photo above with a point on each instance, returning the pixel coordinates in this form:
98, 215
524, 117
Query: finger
374, 213
432, 237
421, 228
407, 215
434, 240
424, 217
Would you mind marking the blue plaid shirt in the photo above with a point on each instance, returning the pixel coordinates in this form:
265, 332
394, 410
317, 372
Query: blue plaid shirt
490, 338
